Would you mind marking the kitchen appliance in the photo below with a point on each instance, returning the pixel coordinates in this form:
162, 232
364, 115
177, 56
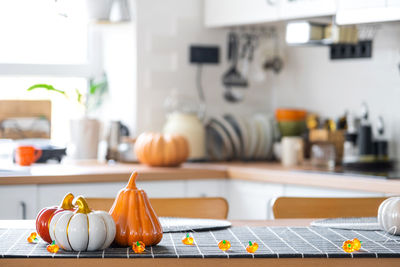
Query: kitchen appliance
364, 142
372, 152
116, 131
350, 148
126, 150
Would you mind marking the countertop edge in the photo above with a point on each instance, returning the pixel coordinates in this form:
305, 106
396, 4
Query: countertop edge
252, 172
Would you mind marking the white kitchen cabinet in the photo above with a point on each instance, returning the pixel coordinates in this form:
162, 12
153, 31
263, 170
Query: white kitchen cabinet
251, 200
206, 188
295, 9
18, 202
367, 11
393, 3
239, 12
309, 191
49, 195
358, 4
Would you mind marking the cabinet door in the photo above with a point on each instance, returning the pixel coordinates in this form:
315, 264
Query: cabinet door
358, 4
239, 12
367, 11
308, 191
290, 9
206, 188
49, 195
393, 3
17, 202
251, 200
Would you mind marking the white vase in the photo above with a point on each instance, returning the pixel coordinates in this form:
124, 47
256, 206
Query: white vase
84, 138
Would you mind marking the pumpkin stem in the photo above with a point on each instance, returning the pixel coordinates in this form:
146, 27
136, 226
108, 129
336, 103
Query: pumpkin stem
132, 181
83, 207
66, 203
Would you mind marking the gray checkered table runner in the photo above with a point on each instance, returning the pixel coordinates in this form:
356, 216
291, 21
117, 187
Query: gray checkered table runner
274, 242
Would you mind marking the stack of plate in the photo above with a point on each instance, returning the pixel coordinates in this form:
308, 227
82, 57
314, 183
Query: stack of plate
237, 137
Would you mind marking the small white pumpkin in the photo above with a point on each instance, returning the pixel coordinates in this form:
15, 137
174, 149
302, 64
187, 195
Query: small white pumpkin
389, 215
83, 229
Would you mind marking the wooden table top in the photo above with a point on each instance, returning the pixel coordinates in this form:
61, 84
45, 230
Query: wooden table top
91, 172
231, 262
23, 224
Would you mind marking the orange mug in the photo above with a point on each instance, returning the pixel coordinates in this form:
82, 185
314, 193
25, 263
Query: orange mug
26, 155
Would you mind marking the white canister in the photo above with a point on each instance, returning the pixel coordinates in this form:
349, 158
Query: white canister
292, 151
84, 138
188, 125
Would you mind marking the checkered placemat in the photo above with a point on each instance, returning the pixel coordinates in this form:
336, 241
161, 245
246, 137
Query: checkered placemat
274, 242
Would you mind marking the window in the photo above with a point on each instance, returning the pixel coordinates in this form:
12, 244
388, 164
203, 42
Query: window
14, 87
43, 32
45, 41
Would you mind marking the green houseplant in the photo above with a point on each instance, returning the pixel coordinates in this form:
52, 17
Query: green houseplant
90, 101
84, 131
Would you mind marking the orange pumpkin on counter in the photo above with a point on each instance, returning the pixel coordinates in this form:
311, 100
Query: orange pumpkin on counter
161, 150
134, 217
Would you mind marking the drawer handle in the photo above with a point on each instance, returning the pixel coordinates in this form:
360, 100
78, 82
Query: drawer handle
23, 209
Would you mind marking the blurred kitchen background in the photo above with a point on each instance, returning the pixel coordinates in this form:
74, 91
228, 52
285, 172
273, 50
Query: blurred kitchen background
247, 73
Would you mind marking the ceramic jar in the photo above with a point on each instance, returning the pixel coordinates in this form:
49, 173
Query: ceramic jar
389, 215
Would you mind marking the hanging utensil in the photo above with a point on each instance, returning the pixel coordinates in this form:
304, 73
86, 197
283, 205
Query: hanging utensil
249, 45
232, 78
232, 95
276, 62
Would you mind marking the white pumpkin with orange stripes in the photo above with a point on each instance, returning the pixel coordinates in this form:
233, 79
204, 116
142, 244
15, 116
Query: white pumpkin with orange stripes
83, 229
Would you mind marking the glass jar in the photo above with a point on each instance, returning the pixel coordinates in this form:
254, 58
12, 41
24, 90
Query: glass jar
323, 155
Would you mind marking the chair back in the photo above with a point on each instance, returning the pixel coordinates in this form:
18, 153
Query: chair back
211, 208
308, 207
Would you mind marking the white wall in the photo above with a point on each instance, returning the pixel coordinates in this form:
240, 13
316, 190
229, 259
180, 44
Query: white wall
165, 29
311, 80
119, 56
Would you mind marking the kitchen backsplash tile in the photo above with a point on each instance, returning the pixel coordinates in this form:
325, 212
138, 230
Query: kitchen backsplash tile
310, 80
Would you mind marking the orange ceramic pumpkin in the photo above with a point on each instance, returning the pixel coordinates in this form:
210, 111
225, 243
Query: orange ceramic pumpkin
134, 217
161, 150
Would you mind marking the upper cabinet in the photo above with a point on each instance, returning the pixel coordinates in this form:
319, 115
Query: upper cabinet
219, 13
239, 12
367, 11
295, 9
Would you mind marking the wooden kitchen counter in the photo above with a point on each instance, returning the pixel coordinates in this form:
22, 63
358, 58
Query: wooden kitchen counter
90, 172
